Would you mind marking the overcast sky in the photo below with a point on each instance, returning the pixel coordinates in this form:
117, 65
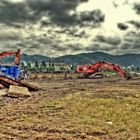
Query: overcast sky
60, 27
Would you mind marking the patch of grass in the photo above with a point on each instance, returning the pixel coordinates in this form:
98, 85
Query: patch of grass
114, 116
26, 118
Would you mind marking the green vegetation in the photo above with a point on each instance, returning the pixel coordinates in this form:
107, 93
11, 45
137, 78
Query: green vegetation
85, 115
51, 67
94, 114
45, 67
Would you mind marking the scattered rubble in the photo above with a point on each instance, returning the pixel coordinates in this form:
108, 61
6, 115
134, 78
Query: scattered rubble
3, 92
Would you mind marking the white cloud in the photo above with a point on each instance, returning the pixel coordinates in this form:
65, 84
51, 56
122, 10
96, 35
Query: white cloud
113, 15
16, 1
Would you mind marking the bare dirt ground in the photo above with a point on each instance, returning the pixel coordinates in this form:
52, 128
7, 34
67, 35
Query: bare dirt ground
74, 109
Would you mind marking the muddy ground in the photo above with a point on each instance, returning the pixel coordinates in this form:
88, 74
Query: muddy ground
100, 109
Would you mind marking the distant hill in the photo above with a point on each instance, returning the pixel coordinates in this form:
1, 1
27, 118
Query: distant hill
33, 58
83, 58
26, 58
89, 58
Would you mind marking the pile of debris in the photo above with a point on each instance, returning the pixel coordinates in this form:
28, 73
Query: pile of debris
15, 88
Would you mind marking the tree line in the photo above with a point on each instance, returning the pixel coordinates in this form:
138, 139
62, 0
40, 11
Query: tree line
52, 67
45, 67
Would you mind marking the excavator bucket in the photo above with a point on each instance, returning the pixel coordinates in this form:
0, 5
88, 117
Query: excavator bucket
127, 76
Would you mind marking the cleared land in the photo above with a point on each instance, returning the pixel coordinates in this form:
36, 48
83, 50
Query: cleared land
100, 109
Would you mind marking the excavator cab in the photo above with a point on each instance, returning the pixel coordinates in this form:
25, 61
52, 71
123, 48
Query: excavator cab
11, 70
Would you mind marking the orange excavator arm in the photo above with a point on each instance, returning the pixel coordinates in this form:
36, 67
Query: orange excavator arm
94, 68
8, 53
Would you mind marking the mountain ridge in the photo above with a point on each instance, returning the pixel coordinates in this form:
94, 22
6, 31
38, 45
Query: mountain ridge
83, 58
92, 57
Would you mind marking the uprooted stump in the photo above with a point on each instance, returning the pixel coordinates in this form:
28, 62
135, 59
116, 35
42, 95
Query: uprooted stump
18, 91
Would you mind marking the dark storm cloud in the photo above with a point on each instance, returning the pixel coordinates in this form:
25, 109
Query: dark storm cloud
80, 34
9, 37
87, 18
127, 39
130, 43
125, 46
135, 23
130, 46
92, 18
41, 43
58, 10
51, 43
54, 6
136, 46
74, 47
74, 32
137, 7
58, 48
100, 47
132, 36
122, 26
108, 40
94, 47
14, 12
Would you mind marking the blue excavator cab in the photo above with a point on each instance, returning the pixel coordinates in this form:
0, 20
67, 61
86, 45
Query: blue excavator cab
13, 72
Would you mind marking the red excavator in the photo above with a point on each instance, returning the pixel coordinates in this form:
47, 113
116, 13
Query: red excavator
8, 53
96, 68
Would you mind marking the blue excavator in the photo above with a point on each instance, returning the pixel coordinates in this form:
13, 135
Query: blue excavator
11, 70
10, 73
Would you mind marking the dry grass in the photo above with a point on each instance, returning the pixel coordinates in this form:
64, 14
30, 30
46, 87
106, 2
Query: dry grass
53, 76
76, 109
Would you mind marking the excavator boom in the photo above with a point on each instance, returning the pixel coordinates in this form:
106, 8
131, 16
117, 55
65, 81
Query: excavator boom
8, 53
94, 68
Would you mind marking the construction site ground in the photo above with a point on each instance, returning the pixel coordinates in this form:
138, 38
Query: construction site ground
74, 109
